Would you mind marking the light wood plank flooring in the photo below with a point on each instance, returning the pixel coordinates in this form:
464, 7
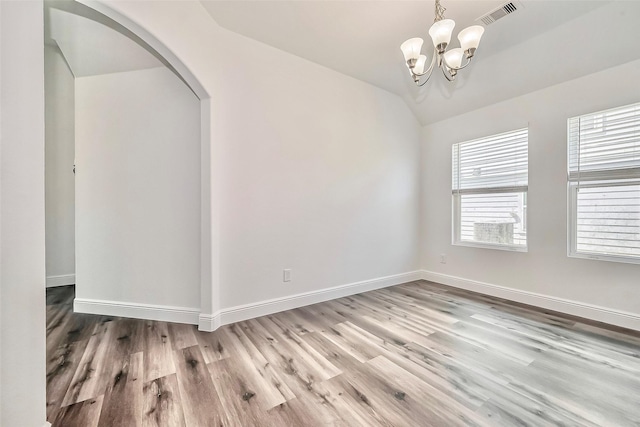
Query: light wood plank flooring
417, 354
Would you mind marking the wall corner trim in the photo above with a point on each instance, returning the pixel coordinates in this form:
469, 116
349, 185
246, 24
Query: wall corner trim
574, 308
62, 280
162, 313
275, 305
209, 322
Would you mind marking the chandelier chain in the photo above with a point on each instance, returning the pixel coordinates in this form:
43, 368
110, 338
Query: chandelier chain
439, 12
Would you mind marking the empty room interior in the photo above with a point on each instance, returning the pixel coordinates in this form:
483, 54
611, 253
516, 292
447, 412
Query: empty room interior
319, 213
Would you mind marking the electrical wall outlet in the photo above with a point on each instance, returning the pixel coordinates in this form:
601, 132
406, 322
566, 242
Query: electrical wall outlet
443, 258
286, 275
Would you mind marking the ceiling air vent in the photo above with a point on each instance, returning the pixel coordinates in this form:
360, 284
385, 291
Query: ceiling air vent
500, 12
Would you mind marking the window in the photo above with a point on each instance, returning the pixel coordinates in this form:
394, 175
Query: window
604, 184
490, 180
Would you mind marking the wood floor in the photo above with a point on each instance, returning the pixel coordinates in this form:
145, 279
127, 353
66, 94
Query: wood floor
417, 354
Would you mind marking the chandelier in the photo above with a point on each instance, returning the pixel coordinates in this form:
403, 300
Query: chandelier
450, 61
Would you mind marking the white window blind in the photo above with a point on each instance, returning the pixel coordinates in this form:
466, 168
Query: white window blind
490, 180
496, 162
604, 184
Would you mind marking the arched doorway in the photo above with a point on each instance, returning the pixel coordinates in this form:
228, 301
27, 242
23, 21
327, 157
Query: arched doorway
104, 13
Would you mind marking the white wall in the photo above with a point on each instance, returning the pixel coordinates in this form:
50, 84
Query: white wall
319, 174
545, 269
59, 179
138, 189
22, 247
310, 170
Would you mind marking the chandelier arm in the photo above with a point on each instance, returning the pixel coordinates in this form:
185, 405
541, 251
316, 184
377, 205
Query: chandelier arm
430, 69
424, 82
463, 66
446, 74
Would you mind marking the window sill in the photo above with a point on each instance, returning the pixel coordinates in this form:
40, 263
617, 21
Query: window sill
508, 248
601, 257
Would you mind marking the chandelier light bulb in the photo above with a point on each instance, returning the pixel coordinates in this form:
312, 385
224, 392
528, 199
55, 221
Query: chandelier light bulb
411, 48
440, 32
470, 37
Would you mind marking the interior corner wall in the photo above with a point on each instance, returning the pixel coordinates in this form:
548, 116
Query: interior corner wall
319, 174
545, 269
137, 194
59, 178
22, 246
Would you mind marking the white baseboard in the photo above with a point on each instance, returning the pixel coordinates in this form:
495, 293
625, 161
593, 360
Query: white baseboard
137, 311
275, 305
209, 322
63, 280
575, 308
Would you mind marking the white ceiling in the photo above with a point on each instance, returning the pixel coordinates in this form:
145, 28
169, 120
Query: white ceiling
545, 43
92, 48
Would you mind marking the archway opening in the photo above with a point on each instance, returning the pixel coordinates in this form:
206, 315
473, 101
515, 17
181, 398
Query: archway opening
124, 144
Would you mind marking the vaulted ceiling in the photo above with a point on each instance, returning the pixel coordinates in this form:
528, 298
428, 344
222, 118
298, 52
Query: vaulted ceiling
545, 42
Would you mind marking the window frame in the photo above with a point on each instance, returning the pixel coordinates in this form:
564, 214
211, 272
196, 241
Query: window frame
606, 178
456, 204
